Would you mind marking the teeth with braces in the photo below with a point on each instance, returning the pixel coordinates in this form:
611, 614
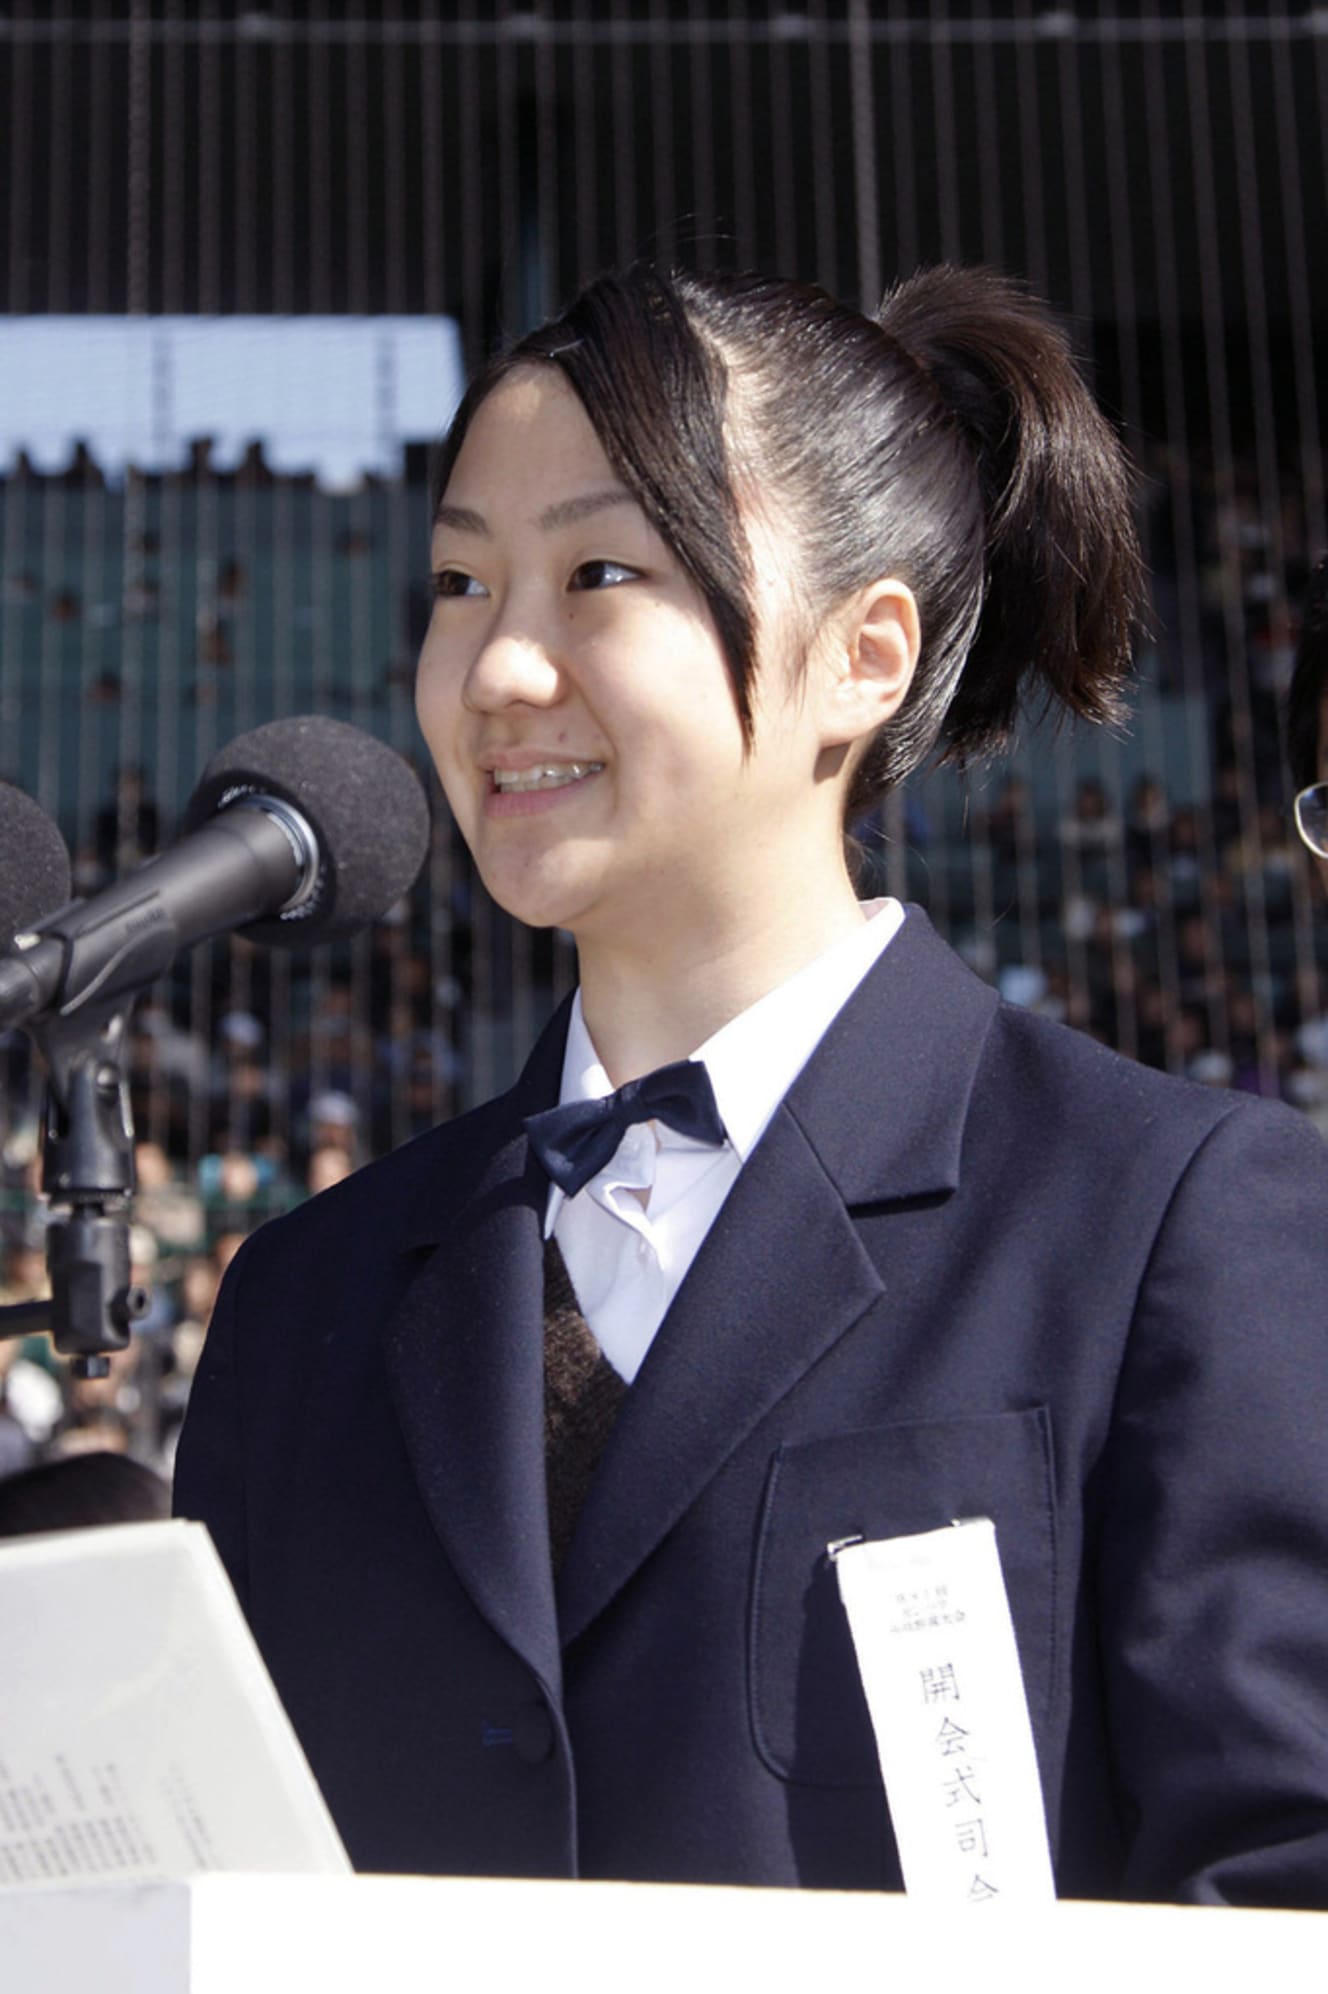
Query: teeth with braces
553, 775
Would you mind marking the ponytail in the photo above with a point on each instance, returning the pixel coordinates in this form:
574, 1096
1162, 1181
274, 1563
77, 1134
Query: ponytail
1062, 572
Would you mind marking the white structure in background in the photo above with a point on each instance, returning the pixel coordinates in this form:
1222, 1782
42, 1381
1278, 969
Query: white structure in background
337, 397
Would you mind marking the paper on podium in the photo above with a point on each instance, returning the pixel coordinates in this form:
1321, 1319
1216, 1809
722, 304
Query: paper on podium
140, 1733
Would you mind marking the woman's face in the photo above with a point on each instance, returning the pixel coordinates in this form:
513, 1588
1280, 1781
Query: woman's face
576, 699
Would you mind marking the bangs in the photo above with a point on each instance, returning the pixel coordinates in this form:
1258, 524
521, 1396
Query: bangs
654, 394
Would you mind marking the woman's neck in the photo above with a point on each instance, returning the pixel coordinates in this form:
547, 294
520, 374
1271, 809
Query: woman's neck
657, 1001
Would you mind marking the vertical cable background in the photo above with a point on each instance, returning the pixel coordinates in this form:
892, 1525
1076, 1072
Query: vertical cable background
1157, 170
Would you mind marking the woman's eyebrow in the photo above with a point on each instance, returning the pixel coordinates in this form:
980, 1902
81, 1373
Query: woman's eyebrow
461, 519
566, 512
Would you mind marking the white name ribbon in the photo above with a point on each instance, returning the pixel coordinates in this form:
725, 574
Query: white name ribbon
936, 1651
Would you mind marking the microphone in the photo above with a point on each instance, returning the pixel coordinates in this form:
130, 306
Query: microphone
299, 832
36, 864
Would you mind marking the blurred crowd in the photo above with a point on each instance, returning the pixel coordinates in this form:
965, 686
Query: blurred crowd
184, 1232
1182, 935
277, 1130
1174, 921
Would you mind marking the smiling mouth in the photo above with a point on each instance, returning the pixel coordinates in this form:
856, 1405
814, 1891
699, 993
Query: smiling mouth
551, 775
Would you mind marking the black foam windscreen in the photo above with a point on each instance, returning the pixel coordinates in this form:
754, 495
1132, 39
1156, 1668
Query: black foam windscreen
34, 877
362, 800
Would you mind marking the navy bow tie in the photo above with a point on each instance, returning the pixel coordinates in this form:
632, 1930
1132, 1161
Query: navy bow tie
575, 1141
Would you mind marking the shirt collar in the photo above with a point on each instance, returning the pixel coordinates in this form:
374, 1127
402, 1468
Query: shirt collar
755, 1058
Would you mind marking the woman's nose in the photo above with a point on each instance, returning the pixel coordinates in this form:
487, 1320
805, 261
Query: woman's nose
512, 667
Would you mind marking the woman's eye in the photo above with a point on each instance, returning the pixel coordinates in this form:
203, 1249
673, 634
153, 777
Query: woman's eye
602, 575
454, 581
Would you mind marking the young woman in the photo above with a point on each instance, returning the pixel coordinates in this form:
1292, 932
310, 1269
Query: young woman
525, 1445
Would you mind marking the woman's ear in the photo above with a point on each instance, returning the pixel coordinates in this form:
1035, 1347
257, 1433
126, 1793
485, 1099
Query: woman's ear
870, 654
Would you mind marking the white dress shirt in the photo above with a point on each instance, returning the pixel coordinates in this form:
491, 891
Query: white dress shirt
629, 1237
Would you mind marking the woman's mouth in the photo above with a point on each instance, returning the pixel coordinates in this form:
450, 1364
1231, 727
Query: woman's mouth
548, 775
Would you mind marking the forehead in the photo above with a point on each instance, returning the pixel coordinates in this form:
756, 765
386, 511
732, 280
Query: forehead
529, 433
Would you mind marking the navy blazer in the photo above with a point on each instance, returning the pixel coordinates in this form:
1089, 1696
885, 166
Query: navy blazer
977, 1265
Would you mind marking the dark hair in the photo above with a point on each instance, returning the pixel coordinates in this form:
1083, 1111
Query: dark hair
950, 442
79, 1491
1309, 682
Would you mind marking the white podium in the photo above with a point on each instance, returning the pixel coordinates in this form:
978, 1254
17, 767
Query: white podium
408, 1935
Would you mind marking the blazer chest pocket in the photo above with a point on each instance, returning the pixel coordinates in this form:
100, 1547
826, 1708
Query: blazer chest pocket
809, 1715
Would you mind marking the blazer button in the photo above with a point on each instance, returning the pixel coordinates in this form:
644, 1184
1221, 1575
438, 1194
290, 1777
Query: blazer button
532, 1734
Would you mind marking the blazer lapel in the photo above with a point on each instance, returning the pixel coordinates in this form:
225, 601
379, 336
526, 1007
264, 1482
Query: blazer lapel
464, 1350
744, 1327
875, 1118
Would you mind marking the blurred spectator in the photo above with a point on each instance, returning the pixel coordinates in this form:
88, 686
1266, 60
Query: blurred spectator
24, 1278
1152, 1010
87, 873
82, 471
1211, 1068
198, 469
198, 1294
224, 1249
159, 1049
17, 1447
163, 1202
239, 1190
1185, 866
141, 601
1008, 826
1187, 1036
33, 1396
253, 473
32, 1372
232, 585
334, 1122
128, 824
65, 606
1306, 1088
329, 1163
1263, 851
75, 1494
1200, 978
337, 1043
1092, 825
242, 1075
1147, 826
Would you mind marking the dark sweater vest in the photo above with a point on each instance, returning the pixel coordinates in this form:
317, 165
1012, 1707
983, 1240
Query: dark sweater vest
582, 1397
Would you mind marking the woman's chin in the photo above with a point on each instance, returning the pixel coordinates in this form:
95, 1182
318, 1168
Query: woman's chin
535, 901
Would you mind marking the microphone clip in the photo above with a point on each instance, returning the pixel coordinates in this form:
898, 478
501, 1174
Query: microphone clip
88, 1175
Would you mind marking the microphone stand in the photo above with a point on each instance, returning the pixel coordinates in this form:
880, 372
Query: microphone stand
88, 1176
